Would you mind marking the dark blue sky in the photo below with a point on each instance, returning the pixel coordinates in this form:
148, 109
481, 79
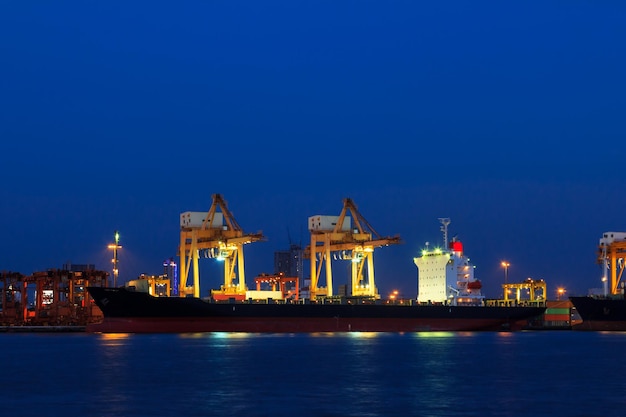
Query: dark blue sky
508, 117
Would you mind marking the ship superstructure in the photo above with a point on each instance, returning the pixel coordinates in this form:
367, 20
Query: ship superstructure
446, 275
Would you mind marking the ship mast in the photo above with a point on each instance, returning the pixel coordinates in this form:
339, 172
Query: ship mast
445, 221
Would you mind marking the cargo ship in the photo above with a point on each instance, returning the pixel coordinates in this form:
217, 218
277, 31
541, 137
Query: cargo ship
603, 313
605, 309
449, 299
127, 311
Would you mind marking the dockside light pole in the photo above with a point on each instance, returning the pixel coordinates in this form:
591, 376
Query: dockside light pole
115, 247
506, 265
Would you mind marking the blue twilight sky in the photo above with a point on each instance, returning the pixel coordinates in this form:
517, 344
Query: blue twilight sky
506, 116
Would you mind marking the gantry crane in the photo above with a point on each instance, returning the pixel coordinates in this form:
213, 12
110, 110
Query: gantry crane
612, 256
532, 285
336, 237
215, 234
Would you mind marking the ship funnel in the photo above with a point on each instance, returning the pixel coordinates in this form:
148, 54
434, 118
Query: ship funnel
456, 246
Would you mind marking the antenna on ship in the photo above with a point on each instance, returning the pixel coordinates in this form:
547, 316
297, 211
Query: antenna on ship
445, 221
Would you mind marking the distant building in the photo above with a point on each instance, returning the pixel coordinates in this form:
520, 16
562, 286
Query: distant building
170, 271
289, 262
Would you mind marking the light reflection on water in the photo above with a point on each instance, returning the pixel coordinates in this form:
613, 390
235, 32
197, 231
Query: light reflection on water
348, 374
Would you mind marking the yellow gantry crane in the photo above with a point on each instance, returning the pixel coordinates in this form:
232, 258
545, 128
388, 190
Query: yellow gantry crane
335, 237
533, 286
612, 255
214, 234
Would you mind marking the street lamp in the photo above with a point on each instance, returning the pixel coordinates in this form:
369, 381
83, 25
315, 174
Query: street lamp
115, 246
506, 265
559, 293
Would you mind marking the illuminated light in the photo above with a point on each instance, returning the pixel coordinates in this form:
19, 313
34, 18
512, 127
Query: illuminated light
230, 335
114, 336
222, 255
506, 266
433, 335
47, 296
363, 335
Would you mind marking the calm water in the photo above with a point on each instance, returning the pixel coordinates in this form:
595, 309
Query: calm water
359, 374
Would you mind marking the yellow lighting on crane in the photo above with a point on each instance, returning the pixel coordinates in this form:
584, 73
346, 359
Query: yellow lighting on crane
216, 234
331, 237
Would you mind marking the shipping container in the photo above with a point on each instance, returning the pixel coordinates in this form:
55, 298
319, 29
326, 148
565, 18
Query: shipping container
556, 317
563, 311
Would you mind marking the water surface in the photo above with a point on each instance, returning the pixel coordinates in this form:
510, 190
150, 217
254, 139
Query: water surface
544, 373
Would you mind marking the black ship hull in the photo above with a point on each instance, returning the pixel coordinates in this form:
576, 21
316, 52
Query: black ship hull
603, 314
136, 312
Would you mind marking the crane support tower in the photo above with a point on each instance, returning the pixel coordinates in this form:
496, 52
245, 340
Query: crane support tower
335, 237
612, 256
214, 234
